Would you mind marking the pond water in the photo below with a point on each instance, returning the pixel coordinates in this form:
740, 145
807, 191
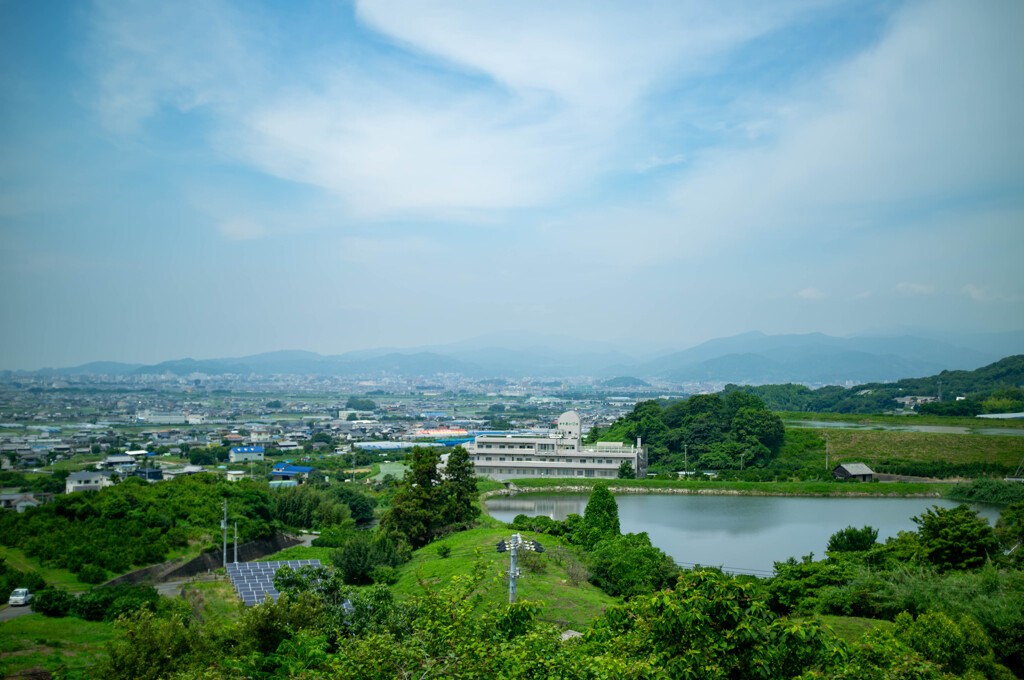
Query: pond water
741, 534
940, 429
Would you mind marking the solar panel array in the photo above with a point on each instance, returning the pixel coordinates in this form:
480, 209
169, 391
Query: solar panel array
254, 581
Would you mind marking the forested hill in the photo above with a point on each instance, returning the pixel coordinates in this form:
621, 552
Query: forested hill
990, 389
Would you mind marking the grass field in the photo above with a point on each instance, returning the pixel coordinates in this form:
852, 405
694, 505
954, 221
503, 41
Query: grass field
871, 445
53, 576
850, 629
571, 605
881, 419
301, 552
396, 470
35, 641
215, 602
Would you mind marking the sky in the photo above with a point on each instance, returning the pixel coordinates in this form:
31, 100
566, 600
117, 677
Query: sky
211, 178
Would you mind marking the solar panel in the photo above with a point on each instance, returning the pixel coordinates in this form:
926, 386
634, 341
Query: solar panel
254, 581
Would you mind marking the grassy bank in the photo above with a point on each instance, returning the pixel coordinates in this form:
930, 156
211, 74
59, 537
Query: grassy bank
35, 641
53, 576
736, 488
545, 578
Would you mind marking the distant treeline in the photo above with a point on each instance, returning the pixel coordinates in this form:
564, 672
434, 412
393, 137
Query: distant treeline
991, 389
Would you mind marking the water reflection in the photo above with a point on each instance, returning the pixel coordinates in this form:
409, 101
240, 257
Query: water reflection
744, 534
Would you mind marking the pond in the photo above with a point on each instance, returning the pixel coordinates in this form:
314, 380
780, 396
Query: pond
741, 534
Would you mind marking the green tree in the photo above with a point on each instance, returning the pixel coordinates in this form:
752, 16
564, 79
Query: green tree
764, 426
626, 470
359, 404
957, 538
852, 540
600, 517
458, 489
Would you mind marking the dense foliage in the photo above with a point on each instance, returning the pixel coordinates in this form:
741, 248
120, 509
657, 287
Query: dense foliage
956, 598
99, 604
705, 431
989, 389
430, 503
134, 523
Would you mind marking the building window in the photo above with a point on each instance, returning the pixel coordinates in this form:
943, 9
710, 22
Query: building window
502, 459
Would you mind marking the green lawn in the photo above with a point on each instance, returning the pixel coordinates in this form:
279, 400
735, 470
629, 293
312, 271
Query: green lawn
396, 470
850, 629
36, 641
544, 581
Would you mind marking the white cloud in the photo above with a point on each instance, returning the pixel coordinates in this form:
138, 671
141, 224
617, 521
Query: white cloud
927, 116
912, 288
555, 96
810, 293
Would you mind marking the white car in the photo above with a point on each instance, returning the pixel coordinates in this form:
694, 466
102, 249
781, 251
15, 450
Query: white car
20, 597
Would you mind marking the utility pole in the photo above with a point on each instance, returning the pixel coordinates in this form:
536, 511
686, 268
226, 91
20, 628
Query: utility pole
236, 541
826, 450
224, 528
514, 544
686, 458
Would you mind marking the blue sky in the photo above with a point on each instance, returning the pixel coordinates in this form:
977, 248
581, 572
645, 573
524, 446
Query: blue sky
218, 178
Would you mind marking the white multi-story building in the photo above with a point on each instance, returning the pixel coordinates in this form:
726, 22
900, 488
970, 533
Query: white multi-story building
560, 454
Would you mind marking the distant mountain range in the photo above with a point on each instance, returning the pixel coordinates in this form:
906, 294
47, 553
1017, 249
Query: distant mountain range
751, 358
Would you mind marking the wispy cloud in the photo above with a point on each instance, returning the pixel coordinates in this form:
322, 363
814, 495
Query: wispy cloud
810, 293
912, 288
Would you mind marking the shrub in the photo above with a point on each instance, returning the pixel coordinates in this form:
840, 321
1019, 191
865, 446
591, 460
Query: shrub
444, 551
90, 573
852, 540
629, 565
53, 602
384, 575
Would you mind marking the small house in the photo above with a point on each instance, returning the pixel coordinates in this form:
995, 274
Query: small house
857, 471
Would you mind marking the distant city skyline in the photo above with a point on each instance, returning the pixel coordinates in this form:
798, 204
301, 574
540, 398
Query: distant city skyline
216, 178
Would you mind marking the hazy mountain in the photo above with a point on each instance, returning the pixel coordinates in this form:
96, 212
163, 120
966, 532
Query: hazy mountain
753, 357
812, 358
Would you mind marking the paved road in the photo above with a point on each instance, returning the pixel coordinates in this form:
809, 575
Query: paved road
8, 613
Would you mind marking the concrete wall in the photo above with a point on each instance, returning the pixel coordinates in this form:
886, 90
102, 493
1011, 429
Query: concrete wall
176, 569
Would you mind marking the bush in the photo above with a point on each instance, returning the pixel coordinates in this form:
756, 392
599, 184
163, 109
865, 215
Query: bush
629, 565
852, 540
53, 602
106, 604
444, 551
384, 575
90, 573
362, 553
